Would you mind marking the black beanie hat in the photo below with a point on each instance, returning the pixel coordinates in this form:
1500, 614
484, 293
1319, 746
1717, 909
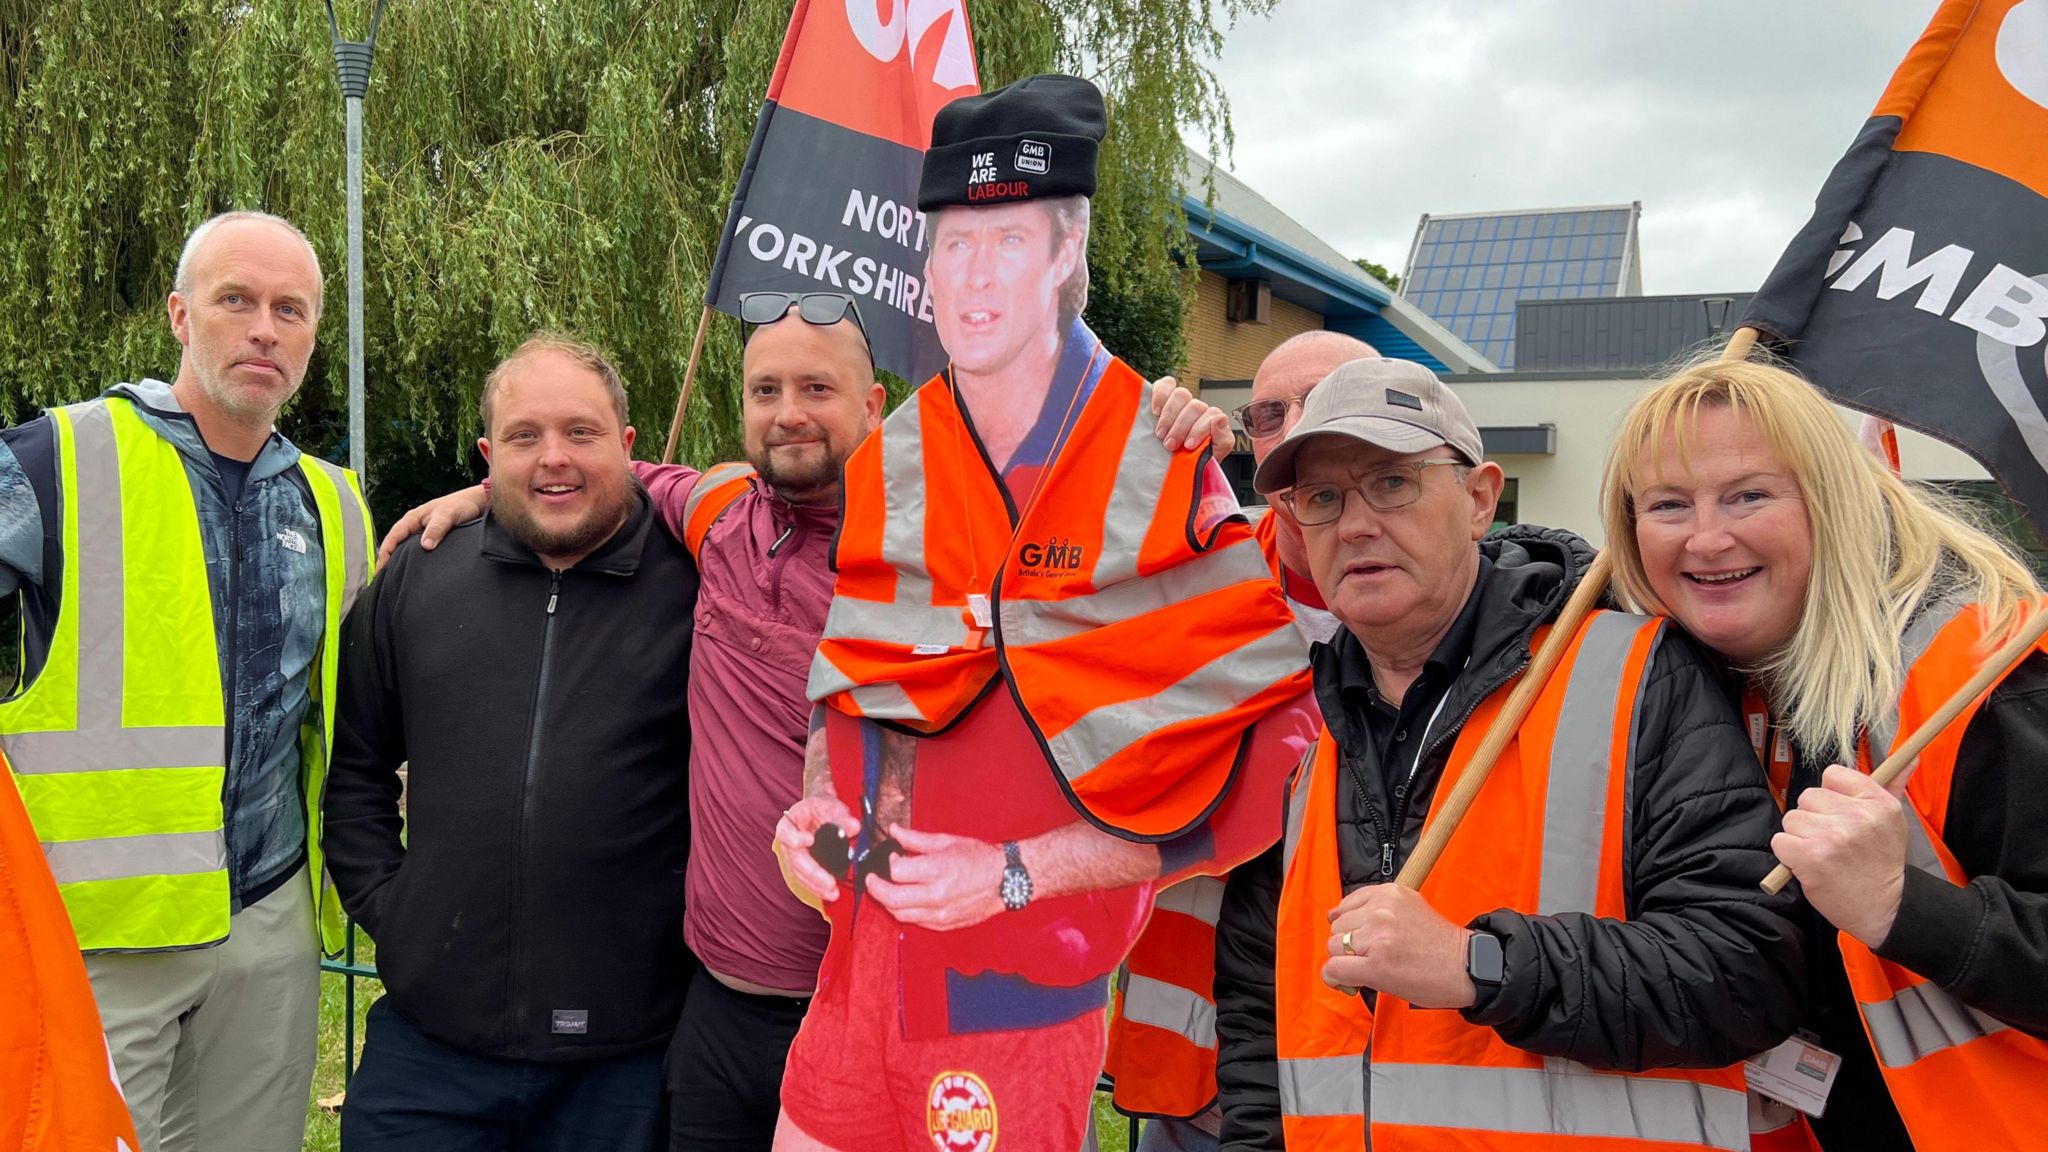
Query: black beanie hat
1028, 141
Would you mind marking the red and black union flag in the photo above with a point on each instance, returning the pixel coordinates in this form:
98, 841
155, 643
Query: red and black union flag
827, 201
1919, 290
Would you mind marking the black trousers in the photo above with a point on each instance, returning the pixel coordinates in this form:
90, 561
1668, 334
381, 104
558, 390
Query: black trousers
415, 1094
725, 1067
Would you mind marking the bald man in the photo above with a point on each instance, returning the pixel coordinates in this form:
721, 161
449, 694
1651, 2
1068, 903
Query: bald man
172, 760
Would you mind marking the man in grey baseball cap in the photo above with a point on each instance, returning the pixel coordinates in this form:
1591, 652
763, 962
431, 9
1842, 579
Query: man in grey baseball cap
1518, 928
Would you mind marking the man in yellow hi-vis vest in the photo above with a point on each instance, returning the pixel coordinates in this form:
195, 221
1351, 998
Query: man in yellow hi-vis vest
181, 571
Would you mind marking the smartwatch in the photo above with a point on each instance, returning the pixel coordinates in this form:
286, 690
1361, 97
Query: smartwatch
1484, 961
1016, 889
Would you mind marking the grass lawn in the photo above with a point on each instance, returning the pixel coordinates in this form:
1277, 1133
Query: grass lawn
323, 1128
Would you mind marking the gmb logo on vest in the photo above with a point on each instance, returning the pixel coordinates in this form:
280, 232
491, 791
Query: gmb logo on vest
1055, 555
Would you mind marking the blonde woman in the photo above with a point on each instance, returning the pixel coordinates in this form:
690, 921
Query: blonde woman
1848, 605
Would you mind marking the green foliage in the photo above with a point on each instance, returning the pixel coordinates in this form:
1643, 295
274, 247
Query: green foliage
527, 165
1378, 272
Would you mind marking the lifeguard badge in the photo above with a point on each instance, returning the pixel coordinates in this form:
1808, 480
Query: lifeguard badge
960, 1114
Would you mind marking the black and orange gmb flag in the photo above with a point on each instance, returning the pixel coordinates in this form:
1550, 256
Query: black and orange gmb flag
827, 200
57, 1087
1918, 291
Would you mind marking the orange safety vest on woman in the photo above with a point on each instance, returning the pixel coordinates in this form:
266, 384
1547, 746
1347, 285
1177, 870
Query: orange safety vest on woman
1140, 648
1545, 836
1962, 1080
57, 1089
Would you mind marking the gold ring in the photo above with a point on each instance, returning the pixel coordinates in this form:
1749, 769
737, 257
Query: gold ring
1344, 942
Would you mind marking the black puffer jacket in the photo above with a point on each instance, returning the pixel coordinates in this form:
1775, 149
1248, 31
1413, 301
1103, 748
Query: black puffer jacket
1705, 970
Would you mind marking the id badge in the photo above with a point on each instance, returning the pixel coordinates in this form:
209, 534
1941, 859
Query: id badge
1798, 1072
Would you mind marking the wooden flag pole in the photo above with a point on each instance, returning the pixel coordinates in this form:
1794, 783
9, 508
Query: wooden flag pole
2001, 661
1505, 725
1438, 833
675, 427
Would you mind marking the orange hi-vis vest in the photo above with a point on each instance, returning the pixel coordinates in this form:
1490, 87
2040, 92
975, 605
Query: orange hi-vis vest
1161, 1059
57, 1088
1139, 648
718, 489
1545, 836
1961, 1079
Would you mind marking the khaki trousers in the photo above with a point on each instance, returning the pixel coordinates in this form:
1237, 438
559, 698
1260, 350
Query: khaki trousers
215, 1046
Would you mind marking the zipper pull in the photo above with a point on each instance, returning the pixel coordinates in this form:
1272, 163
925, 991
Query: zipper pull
1386, 859
554, 591
780, 541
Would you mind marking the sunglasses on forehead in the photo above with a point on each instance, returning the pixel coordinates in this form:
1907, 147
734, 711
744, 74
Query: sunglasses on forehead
826, 308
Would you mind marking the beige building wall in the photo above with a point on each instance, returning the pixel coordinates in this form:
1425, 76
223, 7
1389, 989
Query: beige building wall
1222, 349
1562, 490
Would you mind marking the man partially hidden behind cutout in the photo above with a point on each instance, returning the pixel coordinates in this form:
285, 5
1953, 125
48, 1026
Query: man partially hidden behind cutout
1056, 675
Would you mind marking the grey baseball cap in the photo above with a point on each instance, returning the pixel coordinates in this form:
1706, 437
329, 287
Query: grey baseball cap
1398, 405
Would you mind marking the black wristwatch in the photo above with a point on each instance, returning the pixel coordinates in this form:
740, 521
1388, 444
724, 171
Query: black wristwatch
1484, 961
1016, 890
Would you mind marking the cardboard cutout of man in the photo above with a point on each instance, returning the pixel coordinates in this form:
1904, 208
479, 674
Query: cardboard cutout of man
1056, 674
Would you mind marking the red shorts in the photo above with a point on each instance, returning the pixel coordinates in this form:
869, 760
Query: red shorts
853, 1081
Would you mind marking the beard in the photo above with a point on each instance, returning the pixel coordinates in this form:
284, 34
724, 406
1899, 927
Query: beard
574, 539
243, 405
801, 481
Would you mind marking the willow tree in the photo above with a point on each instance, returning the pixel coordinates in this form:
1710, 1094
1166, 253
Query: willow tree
536, 164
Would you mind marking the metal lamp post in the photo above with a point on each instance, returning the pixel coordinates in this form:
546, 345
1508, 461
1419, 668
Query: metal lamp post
352, 59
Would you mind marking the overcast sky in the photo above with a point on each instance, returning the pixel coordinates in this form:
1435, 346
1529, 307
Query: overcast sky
1357, 116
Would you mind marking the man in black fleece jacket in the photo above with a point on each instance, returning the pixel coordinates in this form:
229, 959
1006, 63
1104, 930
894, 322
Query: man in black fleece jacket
531, 670
1700, 969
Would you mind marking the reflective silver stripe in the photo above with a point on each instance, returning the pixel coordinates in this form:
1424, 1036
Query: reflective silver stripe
122, 857
1919, 1021
1140, 475
903, 502
882, 701
1919, 849
101, 742
1562, 1099
825, 678
1575, 803
1218, 686
710, 482
1297, 807
355, 532
886, 701
1322, 1085
96, 750
1198, 896
1171, 1007
1920, 632
902, 622
1033, 621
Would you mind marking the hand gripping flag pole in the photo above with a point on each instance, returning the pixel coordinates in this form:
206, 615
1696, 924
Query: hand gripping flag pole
1948, 175
1436, 835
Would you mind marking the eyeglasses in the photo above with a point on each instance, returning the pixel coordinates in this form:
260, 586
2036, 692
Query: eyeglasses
1386, 490
1264, 417
826, 308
